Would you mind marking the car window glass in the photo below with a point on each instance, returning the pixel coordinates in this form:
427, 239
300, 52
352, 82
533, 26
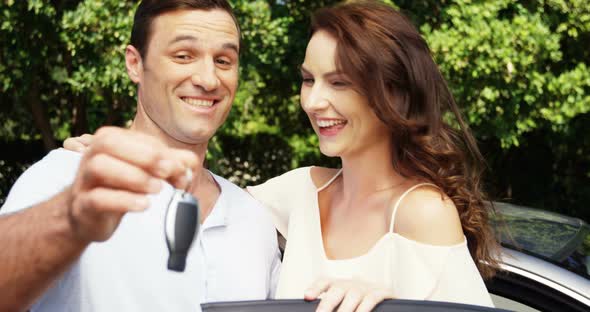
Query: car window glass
559, 239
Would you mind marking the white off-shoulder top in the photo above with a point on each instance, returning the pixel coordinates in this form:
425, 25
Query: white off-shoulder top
413, 270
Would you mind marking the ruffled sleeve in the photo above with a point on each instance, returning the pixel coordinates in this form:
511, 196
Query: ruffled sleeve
439, 273
280, 195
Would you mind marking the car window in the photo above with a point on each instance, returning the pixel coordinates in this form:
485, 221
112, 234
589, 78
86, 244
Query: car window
559, 239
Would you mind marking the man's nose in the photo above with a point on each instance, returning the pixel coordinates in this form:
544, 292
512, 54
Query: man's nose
205, 75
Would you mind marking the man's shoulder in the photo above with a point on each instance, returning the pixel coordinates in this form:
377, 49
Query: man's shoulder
42, 180
58, 165
56, 160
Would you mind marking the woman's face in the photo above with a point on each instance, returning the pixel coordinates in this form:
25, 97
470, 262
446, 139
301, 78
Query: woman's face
340, 115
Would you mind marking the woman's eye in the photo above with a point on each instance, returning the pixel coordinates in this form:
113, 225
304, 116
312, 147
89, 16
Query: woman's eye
339, 83
307, 81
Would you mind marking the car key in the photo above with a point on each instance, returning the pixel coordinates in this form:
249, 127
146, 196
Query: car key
181, 225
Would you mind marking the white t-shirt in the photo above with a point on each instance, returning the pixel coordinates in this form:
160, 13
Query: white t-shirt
413, 270
235, 256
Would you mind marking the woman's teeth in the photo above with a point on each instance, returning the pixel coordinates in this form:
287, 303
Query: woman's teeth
329, 123
197, 102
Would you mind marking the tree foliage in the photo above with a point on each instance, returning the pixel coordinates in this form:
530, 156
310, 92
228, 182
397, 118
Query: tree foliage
518, 69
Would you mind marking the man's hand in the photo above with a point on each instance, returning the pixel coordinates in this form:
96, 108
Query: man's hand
346, 295
116, 174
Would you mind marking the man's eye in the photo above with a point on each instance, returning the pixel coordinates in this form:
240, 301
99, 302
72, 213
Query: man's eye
182, 57
223, 62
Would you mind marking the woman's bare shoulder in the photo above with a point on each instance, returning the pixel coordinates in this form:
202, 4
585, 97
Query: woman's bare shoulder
429, 216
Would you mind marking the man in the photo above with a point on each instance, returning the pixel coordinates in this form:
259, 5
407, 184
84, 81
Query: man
93, 237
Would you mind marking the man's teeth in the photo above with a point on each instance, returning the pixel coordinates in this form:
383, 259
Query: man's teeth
329, 123
197, 102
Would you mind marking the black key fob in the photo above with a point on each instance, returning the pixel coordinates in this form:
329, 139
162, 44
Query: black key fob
181, 227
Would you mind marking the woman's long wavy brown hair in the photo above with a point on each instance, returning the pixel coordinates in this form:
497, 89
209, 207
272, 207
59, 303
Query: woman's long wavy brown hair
390, 63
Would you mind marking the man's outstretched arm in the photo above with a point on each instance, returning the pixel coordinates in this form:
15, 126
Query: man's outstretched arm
38, 245
41, 242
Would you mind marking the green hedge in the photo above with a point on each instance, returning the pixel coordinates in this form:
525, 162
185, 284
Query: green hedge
519, 70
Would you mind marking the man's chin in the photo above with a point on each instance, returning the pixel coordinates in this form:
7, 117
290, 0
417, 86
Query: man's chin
192, 138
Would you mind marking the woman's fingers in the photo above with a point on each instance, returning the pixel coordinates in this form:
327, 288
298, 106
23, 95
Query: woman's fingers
372, 299
351, 301
317, 288
74, 144
331, 299
85, 139
347, 295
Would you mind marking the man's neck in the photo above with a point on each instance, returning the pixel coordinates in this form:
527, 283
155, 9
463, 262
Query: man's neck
205, 188
144, 124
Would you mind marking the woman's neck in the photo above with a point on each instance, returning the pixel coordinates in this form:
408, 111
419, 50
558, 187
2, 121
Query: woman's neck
368, 172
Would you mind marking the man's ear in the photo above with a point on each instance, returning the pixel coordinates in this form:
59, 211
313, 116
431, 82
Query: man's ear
134, 65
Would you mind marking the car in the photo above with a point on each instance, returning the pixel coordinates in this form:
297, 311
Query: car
299, 305
545, 267
546, 260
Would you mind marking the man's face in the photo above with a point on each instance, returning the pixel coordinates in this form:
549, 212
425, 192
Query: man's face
189, 75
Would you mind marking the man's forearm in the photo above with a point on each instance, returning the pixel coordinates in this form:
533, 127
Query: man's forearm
38, 245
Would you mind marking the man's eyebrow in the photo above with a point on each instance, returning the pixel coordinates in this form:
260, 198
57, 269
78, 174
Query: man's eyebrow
231, 46
183, 38
225, 46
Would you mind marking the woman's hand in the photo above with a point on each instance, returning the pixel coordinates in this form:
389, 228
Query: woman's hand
347, 295
78, 144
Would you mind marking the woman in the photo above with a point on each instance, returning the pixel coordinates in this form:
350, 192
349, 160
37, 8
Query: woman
404, 217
